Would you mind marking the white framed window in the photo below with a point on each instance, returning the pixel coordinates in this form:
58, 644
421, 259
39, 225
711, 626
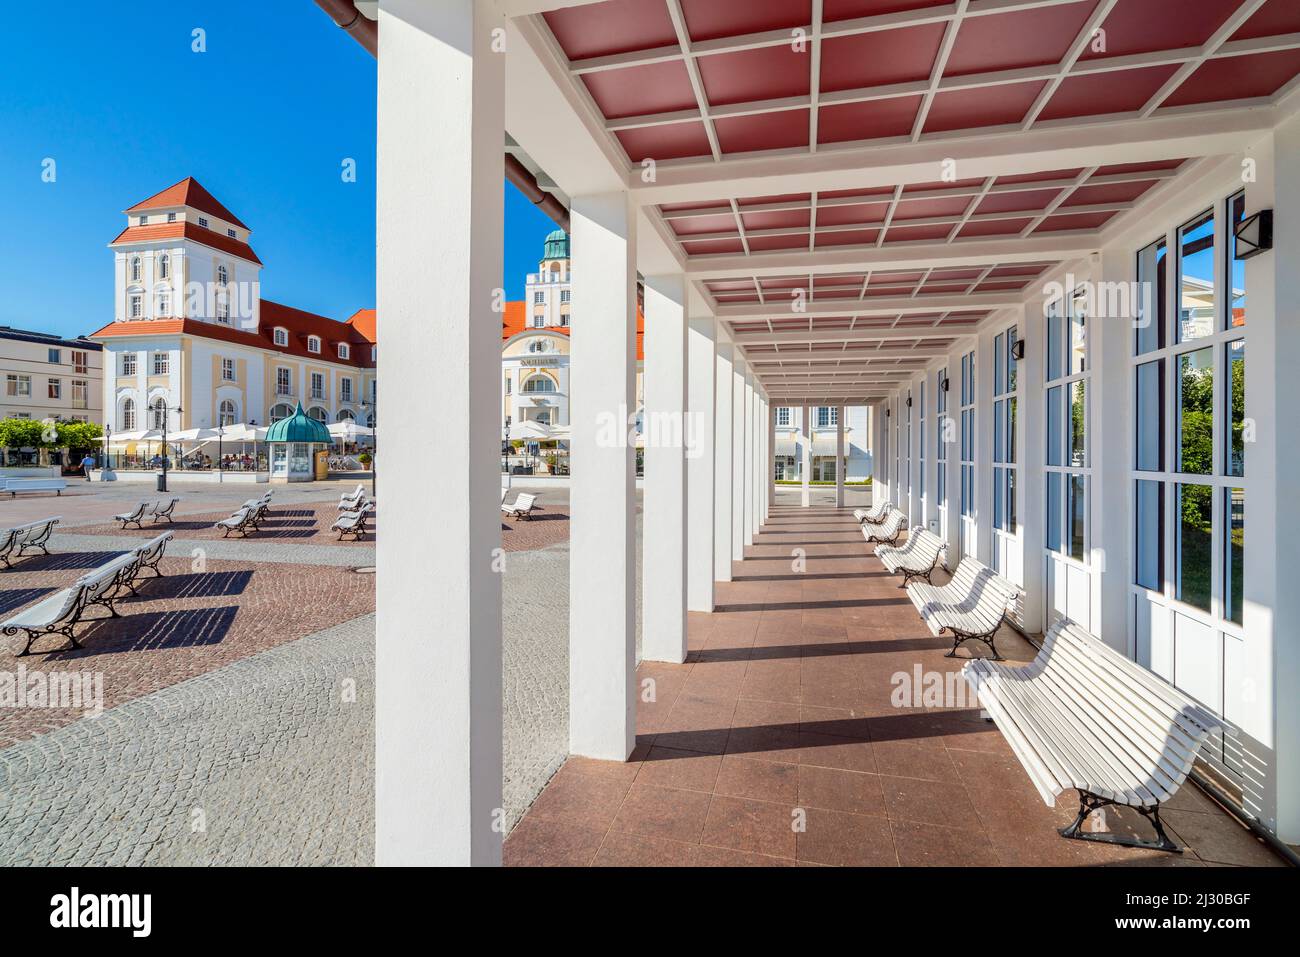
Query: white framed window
137, 269
80, 394
54, 356
539, 296
231, 233
128, 415
203, 221
345, 415
1005, 400
54, 388
128, 363
319, 414
966, 499
539, 383
161, 363
942, 433
159, 413
226, 413
783, 416
280, 336
345, 351
136, 309
223, 275
223, 310
374, 353
317, 385
828, 416
564, 295
164, 303
345, 389
313, 344
283, 381
171, 217
228, 370
279, 411
539, 322
1066, 387
165, 263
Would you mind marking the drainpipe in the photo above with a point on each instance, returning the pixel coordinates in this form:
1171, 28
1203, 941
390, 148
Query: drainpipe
366, 32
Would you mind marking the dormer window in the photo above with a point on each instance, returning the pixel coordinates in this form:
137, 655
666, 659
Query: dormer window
171, 217
313, 344
281, 336
345, 351
230, 233
203, 221
141, 220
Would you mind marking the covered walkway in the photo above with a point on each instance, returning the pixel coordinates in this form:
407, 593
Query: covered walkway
780, 741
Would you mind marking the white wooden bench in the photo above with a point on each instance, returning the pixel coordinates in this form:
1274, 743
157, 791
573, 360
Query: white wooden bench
134, 517
60, 613
15, 485
260, 507
15, 541
1082, 716
971, 605
352, 523
164, 511
874, 515
352, 496
917, 557
889, 530
522, 507
356, 504
240, 522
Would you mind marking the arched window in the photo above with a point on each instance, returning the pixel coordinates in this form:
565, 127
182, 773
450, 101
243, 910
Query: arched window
159, 408
278, 412
164, 266
281, 336
223, 276
345, 415
137, 269
540, 383
128, 415
319, 414
370, 421
313, 343
226, 413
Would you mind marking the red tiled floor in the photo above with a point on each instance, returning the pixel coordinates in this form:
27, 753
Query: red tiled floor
783, 740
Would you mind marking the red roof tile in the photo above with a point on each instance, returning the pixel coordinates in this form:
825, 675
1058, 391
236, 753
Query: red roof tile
515, 320
188, 192
186, 230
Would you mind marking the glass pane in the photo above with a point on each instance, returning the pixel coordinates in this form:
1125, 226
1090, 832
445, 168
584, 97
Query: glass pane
1236, 268
1149, 525
999, 431
1011, 500
965, 380
1150, 416
1151, 297
1196, 300
1055, 417
1011, 360
1055, 341
1011, 429
1054, 513
970, 399
1078, 422
1234, 506
999, 366
998, 497
1195, 412
1078, 337
1236, 457
1078, 514
941, 485
1192, 551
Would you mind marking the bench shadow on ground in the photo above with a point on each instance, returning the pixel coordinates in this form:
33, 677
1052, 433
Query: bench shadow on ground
157, 528
63, 561
196, 585
13, 598
152, 631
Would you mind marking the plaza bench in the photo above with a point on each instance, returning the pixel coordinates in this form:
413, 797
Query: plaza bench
15, 541
15, 485
971, 605
888, 531
874, 515
134, 517
522, 507
352, 496
241, 521
357, 504
1082, 716
352, 523
261, 507
917, 557
164, 511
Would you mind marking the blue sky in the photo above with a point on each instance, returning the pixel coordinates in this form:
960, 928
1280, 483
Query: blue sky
264, 119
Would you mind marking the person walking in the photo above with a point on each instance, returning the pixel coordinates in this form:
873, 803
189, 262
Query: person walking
87, 464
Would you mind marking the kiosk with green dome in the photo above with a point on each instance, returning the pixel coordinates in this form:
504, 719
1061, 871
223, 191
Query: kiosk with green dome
295, 445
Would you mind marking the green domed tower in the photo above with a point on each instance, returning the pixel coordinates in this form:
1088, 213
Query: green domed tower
557, 245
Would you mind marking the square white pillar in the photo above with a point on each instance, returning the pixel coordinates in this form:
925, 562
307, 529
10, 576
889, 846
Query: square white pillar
805, 453
759, 460
664, 426
770, 479
747, 510
602, 529
724, 432
702, 361
739, 374
839, 457
438, 676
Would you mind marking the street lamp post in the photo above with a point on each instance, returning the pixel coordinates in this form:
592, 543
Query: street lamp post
166, 414
372, 405
221, 465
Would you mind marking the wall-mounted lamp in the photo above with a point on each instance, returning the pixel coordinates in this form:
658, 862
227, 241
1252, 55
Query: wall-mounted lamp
1254, 234
887, 412
1018, 349
909, 401
944, 384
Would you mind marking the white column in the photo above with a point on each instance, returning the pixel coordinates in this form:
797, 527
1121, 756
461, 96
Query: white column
739, 374
1031, 492
839, 458
438, 676
751, 438
664, 537
769, 476
602, 531
702, 363
805, 452
760, 459
724, 433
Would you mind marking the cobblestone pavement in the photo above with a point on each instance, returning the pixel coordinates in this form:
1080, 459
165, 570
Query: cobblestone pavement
236, 549
259, 762
303, 523
196, 619
548, 525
